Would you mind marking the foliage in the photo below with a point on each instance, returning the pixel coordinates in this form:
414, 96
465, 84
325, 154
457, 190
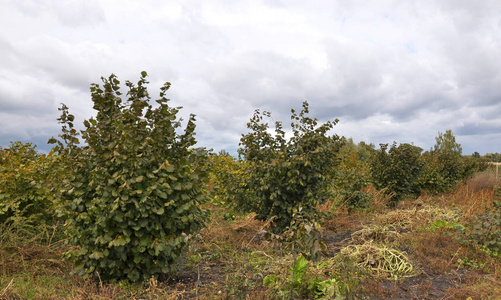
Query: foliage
303, 236
473, 165
407, 172
471, 263
353, 175
492, 157
486, 229
448, 225
284, 174
25, 183
445, 166
131, 200
446, 155
397, 169
432, 179
227, 178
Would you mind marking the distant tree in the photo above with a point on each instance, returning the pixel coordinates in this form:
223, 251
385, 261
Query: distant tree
397, 169
227, 177
447, 156
446, 144
493, 157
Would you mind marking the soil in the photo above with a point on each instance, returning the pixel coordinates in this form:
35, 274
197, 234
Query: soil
428, 284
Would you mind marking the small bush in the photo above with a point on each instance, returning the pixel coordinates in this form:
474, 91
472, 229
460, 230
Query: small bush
486, 229
227, 178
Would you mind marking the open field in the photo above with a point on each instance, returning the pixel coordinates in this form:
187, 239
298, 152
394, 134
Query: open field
417, 250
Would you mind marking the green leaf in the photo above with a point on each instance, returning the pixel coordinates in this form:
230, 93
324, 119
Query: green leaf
120, 241
269, 281
138, 259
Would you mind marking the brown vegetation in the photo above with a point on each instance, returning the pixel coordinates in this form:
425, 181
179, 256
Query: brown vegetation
230, 258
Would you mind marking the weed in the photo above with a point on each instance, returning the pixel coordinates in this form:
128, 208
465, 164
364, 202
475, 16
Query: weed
452, 226
310, 281
486, 230
470, 263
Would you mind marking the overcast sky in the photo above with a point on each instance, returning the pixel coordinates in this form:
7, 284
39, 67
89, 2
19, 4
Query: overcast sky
388, 70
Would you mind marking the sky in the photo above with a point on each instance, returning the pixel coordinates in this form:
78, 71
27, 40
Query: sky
390, 71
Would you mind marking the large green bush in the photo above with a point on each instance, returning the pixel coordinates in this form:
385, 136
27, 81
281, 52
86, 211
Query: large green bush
131, 198
286, 174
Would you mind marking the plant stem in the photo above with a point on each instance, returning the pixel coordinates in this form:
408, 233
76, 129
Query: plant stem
293, 272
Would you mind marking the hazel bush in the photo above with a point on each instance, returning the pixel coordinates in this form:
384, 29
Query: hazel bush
132, 194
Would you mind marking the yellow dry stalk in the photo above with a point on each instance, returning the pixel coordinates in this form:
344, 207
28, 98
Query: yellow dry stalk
376, 233
380, 260
397, 219
433, 214
406, 218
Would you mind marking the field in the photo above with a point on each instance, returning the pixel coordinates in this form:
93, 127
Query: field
417, 250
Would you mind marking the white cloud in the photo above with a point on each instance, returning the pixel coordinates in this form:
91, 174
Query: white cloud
391, 70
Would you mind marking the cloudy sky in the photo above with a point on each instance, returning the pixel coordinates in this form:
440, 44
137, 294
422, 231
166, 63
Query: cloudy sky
388, 70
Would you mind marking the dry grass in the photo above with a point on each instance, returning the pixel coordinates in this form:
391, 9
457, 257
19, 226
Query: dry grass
343, 221
470, 197
483, 181
230, 258
379, 200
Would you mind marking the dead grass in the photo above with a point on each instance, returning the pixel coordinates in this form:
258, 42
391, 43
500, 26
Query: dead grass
471, 197
343, 221
375, 233
230, 258
483, 181
379, 200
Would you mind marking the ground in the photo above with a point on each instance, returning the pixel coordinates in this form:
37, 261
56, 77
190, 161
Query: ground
416, 250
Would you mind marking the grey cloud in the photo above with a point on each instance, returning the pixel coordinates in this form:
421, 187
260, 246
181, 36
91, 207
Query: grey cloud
73, 13
391, 70
479, 128
266, 80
